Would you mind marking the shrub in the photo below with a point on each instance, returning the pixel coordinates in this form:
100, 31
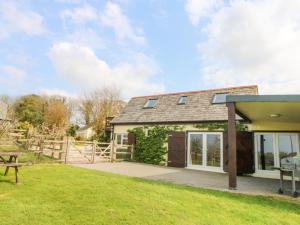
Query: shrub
102, 137
71, 131
150, 146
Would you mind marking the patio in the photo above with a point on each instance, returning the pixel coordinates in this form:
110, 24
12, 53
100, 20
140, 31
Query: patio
203, 179
268, 115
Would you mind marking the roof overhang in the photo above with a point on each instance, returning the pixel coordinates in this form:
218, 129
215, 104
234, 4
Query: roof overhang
276, 108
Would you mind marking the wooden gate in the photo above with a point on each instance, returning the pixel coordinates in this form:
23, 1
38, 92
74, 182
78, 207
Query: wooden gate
244, 152
90, 151
177, 149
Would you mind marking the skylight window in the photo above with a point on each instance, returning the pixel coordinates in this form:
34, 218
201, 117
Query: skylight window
150, 103
219, 98
182, 100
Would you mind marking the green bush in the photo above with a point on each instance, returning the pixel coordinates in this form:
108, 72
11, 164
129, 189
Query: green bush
71, 131
150, 143
102, 136
220, 126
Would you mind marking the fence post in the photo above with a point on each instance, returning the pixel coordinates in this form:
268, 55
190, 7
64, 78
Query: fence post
67, 150
61, 149
41, 150
132, 149
94, 151
42, 146
27, 144
112, 151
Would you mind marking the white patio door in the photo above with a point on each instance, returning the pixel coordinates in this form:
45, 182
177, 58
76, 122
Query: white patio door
271, 147
205, 150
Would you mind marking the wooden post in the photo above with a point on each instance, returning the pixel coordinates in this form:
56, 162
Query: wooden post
112, 151
16, 174
132, 149
27, 144
41, 150
94, 151
67, 150
232, 146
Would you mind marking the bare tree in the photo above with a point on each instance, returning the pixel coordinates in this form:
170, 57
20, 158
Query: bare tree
57, 115
6, 114
100, 104
86, 108
6, 107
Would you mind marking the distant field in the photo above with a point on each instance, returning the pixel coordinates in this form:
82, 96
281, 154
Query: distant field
61, 194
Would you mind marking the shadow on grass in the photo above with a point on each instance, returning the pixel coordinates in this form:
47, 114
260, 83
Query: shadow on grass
4, 179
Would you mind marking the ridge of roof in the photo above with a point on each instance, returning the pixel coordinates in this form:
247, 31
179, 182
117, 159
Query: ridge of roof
197, 91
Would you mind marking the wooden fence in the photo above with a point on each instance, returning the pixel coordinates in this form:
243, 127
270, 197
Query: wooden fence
69, 149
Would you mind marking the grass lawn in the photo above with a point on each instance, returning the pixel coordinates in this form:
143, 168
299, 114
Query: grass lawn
61, 194
27, 155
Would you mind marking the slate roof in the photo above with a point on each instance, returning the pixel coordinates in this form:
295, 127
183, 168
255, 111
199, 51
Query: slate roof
199, 107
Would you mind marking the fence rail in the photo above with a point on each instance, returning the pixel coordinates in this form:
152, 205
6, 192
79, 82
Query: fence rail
65, 150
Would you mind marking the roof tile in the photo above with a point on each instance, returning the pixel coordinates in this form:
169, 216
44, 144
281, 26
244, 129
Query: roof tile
198, 107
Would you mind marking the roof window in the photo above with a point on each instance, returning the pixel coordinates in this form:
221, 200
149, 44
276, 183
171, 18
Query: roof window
182, 100
219, 98
150, 103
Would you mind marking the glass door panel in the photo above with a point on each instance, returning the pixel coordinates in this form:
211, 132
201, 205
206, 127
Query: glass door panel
265, 154
287, 144
213, 154
196, 149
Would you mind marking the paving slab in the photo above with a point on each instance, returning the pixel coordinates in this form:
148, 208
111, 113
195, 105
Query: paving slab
196, 178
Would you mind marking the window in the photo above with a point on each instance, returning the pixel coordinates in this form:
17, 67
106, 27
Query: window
122, 139
213, 150
272, 147
149, 132
196, 149
265, 153
205, 149
219, 98
150, 103
182, 100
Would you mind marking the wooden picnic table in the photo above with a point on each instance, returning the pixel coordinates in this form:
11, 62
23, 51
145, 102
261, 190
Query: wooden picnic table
11, 162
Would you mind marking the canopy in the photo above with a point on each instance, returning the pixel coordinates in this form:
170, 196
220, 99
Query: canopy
277, 108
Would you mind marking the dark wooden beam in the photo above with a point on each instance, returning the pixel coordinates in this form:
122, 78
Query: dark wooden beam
232, 146
243, 116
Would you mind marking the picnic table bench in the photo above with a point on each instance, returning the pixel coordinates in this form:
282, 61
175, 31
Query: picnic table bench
11, 162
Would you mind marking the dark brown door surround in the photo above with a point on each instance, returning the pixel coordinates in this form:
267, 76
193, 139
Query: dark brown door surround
177, 149
244, 154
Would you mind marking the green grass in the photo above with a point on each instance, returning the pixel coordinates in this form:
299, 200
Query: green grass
60, 194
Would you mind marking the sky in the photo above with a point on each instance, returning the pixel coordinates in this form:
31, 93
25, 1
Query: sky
142, 47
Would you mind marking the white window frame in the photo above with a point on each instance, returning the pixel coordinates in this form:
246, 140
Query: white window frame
275, 136
204, 155
181, 101
146, 105
221, 93
122, 138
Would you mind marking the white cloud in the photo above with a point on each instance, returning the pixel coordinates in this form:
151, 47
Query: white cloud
253, 42
79, 21
11, 76
198, 9
57, 92
14, 72
113, 17
80, 66
80, 15
87, 37
69, 1
14, 17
